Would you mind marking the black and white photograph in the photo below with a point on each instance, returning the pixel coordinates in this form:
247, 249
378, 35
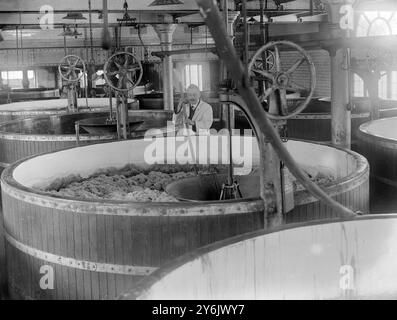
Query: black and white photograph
198, 154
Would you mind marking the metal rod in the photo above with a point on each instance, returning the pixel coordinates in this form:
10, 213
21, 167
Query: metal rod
189, 138
263, 127
77, 129
246, 36
124, 116
16, 37
106, 38
229, 128
118, 116
85, 78
91, 36
64, 41
110, 104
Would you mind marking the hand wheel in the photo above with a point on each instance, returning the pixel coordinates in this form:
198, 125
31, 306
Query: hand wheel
68, 67
121, 69
280, 80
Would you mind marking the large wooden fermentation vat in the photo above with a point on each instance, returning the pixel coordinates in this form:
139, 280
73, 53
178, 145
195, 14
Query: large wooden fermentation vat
27, 137
28, 109
314, 123
351, 259
378, 143
351, 186
99, 249
16, 95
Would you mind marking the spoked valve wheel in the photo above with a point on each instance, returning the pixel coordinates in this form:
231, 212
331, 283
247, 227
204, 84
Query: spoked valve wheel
71, 68
280, 80
123, 71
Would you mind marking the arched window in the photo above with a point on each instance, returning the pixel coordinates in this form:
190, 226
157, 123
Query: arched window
376, 23
379, 23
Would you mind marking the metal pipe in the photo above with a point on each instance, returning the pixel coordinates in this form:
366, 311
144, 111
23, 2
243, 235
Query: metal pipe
91, 36
16, 37
229, 128
106, 38
77, 129
110, 104
263, 127
85, 77
245, 32
64, 42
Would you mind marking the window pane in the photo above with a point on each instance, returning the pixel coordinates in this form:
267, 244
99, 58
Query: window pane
15, 75
358, 86
393, 94
377, 23
200, 77
30, 74
193, 75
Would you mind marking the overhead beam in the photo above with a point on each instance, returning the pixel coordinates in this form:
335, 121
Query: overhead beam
32, 5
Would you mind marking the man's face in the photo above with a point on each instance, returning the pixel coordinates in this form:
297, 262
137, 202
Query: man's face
193, 96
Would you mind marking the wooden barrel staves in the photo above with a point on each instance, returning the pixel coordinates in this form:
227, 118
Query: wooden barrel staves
65, 248
28, 109
378, 143
26, 137
71, 250
60, 248
339, 260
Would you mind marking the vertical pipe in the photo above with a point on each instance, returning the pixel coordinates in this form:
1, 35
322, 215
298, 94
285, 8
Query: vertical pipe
64, 45
91, 36
106, 38
118, 116
77, 129
245, 32
223, 69
86, 85
124, 116
110, 104
229, 128
261, 83
16, 37
341, 116
165, 32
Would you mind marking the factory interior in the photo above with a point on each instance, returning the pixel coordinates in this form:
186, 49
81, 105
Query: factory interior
198, 149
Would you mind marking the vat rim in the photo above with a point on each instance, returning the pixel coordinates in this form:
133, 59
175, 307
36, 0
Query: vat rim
145, 284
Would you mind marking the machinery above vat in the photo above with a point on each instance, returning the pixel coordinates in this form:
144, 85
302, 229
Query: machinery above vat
122, 72
103, 215
72, 68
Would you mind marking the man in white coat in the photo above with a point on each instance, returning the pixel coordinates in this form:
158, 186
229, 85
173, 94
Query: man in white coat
193, 113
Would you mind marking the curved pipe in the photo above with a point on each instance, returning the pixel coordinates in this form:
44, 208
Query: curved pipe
263, 127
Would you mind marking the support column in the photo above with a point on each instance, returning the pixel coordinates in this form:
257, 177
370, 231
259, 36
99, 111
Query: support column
229, 17
340, 25
25, 80
165, 32
340, 111
372, 84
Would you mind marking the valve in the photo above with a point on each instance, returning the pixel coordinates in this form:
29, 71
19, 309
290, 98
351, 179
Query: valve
280, 80
68, 66
122, 68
